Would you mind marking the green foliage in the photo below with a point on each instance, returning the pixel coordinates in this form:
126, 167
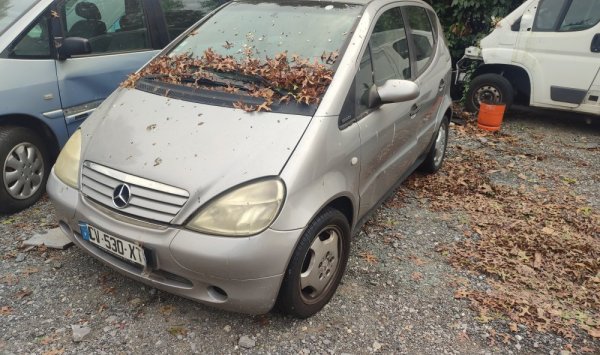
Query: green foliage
465, 22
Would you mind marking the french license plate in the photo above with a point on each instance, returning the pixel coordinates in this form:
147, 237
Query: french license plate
122, 248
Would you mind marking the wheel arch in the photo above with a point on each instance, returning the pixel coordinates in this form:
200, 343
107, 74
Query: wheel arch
36, 125
518, 77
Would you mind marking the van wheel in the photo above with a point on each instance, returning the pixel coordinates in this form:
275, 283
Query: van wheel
317, 265
435, 158
490, 89
25, 166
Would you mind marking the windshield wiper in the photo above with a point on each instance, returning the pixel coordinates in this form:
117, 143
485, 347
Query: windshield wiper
199, 81
250, 79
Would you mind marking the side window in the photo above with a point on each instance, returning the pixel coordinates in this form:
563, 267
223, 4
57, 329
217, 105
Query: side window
582, 14
35, 43
547, 15
389, 48
109, 25
182, 14
422, 35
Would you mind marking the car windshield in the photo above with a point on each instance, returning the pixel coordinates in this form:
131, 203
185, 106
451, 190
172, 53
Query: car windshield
306, 29
11, 10
274, 52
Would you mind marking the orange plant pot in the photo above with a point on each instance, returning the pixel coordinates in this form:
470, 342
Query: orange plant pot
490, 117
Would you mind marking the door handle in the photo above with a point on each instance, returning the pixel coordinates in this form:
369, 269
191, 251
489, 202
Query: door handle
442, 85
414, 110
595, 48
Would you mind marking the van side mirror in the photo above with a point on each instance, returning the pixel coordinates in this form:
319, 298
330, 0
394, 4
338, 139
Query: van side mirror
74, 46
393, 91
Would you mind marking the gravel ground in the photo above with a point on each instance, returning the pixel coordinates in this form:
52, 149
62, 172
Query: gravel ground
397, 295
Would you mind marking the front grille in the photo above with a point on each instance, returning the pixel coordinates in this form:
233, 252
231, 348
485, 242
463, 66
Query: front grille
149, 199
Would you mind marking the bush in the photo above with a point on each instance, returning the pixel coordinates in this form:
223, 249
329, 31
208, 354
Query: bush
465, 22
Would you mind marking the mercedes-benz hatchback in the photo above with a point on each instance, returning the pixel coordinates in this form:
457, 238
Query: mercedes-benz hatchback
236, 166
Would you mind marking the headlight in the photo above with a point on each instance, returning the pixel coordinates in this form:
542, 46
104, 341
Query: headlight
67, 164
245, 211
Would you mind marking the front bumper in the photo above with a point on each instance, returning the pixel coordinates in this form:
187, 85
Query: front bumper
236, 274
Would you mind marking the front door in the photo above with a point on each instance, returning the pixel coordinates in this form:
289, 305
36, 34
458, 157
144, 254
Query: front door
118, 33
388, 133
557, 49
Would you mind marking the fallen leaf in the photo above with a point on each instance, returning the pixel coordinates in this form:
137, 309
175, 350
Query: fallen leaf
416, 276
23, 293
594, 332
537, 263
5, 310
369, 257
166, 310
513, 327
177, 330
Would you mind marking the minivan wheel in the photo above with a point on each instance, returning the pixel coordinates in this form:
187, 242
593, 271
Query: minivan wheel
435, 158
25, 166
317, 265
491, 89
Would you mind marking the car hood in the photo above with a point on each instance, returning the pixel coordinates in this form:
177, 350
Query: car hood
202, 149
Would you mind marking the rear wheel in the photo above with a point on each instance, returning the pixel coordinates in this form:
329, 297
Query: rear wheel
489, 89
317, 265
25, 166
435, 158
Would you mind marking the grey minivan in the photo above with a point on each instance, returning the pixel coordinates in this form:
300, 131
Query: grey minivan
58, 60
172, 183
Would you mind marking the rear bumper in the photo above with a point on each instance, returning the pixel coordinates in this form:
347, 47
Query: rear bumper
235, 274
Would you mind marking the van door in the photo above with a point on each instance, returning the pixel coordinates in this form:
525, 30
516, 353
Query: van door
118, 33
557, 50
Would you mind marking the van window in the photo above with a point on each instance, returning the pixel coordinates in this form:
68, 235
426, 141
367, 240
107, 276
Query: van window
548, 14
35, 43
11, 10
109, 25
582, 14
182, 14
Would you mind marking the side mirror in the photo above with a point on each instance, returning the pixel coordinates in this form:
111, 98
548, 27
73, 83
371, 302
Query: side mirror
393, 91
74, 46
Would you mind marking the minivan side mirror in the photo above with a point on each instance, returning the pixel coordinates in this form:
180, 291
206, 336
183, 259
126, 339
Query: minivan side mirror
393, 91
74, 46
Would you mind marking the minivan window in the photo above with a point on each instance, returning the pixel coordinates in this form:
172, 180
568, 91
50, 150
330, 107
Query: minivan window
109, 25
389, 47
306, 29
422, 35
11, 10
35, 43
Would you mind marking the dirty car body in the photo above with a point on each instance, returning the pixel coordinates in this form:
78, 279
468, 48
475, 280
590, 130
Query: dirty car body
172, 186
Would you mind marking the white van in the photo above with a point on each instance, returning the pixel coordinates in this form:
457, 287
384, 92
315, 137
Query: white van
546, 53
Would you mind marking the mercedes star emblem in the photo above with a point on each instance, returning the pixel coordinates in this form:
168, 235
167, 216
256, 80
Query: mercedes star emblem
121, 196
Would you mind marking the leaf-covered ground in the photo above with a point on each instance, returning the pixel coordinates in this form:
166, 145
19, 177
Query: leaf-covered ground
530, 225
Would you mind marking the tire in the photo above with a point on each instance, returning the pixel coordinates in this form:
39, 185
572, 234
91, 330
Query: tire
22, 152
317, 265
489, 88
435, 157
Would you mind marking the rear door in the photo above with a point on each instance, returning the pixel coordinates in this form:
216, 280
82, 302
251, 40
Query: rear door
121, 44
429, 72
558, 50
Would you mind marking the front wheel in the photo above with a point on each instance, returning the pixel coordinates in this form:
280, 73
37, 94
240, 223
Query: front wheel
489, 89
317, 265
25, 166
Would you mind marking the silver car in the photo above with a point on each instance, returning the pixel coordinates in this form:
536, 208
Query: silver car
173, 184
